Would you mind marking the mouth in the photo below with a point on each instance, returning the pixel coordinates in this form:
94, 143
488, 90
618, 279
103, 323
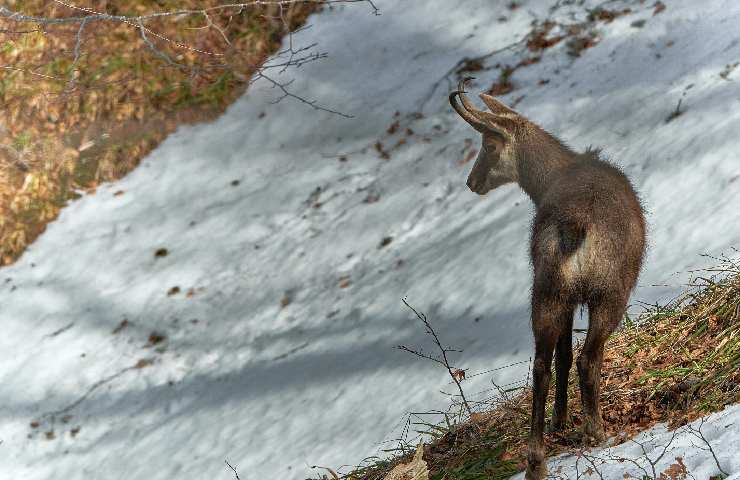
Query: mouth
478, 190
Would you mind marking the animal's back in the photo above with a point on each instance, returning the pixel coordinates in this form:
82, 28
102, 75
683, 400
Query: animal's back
588, 235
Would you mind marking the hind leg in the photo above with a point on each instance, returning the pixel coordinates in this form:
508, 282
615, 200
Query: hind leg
563, 362
605, 315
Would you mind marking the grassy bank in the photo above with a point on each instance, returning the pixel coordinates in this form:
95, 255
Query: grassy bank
68, 125
673, 364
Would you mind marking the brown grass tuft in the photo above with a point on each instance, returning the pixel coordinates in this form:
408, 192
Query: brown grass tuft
59, 135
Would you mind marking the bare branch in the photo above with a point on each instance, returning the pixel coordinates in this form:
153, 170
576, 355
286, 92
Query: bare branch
633, 462
283, 87
236, 474
30, 72
420, 353
216, 27
592, 460
93, 15
19, 32
88, 16
444, 361
143, 30
697, 432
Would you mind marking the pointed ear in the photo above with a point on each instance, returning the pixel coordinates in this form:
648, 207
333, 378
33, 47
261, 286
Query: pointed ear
497, 107
501, 126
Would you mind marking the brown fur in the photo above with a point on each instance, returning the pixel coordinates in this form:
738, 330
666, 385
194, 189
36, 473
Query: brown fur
586, 247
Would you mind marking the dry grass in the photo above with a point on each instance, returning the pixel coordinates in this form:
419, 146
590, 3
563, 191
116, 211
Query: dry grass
67, 127
674, 364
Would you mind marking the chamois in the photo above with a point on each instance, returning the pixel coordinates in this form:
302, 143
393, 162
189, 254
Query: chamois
586, 246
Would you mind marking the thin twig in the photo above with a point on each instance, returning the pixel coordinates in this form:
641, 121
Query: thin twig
283, 87
699, 434
236, 474
443, 360
297, 57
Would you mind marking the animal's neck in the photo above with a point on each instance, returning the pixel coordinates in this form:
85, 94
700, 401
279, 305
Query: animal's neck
539, 164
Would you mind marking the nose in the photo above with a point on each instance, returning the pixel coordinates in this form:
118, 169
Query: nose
472, 185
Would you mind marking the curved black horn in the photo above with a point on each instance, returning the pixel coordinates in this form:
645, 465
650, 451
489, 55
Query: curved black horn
467, 103
467, 111
465, 114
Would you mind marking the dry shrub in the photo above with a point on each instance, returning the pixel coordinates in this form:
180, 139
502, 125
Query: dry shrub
69, 126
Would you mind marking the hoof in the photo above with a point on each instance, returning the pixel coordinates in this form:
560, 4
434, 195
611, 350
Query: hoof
556, 426
536, 468
535, 472
595, 433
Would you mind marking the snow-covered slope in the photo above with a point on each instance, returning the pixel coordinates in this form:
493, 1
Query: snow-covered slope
659, 450
278, 349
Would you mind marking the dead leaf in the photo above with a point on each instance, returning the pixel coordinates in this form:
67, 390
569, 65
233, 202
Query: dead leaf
155, 338
285, 301
416, 469
121, 326
331, 471
458, 374
143, 363
476, 417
